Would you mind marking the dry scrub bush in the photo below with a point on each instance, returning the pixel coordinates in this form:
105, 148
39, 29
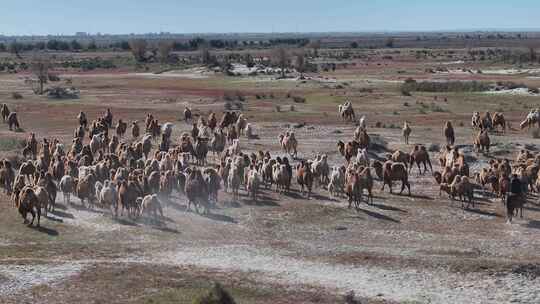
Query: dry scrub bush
411, 85
216, 295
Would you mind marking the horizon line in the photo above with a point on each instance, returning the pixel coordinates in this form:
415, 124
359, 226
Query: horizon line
382, 31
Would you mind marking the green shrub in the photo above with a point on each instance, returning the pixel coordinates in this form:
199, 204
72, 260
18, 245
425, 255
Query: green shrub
405, 91
216, 295
299, 99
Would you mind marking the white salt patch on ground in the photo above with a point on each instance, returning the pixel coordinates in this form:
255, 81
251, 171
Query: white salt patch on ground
15, 278
511, 71
456, 72
518, 91
424, 286
453, 62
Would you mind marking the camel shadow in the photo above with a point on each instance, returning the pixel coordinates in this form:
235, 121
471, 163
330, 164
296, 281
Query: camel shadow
531, 208
378, 215
388, 208
177, 207
48, 231
59, 213
220, 218
82, 208
323, 198
60, 206
52, 218
231, 204
419, 196
533, 224
166, 229
295, 195
262, 201
480, 212
125, 222
487, 194
166, 219
485, 200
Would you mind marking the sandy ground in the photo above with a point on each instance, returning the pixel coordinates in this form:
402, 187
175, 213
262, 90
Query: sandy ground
419, 249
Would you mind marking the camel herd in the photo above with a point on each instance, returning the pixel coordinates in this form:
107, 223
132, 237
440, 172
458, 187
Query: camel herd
455, 178
133, 173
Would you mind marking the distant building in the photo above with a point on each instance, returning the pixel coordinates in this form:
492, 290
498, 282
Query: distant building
81, 34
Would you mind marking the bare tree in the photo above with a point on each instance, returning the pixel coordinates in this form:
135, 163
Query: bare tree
138, 49
16, 48
389, 42
315, 45
206, 56
532, 54
164, 49
300, 63
40, 65
282, 58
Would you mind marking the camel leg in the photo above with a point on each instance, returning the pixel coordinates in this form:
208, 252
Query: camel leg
33, 217
38, 217
402, 187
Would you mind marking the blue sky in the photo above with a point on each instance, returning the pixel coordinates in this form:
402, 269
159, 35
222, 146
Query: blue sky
197, 16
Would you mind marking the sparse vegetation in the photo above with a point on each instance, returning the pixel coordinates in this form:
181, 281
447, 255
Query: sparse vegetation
138, 49
41, 64
10, 144
412, 85
216, 295
299, 99
164, 50
282, 60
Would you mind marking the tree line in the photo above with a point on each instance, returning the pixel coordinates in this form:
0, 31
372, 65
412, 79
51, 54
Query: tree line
17, 47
